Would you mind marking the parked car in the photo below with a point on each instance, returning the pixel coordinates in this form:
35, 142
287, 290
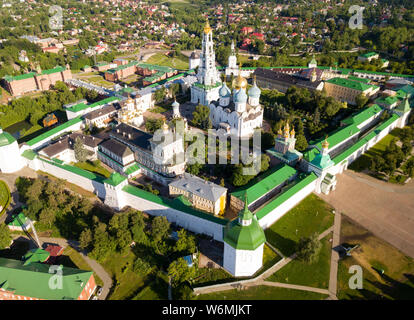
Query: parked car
99, 291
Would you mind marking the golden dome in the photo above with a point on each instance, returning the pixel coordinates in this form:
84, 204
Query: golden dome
292, 132
207, 28
239, 82
165, 127
325, 144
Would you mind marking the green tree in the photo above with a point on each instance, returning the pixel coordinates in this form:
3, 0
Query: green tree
5, 236
85, 239
152, 125
160, 228
361, 100
47, 216
308, 248
81, 153
186, 242
180, 272
301, 143
201, 117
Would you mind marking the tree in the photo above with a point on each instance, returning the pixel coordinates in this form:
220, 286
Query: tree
186, 242
153, 125
5, 236
301, 143
141, 267
264, 162
268, 140
201, 117
159, 228
308, 248
194, 169
361, 100
81, 153
179, 271
159, 94
85, 239
47, 216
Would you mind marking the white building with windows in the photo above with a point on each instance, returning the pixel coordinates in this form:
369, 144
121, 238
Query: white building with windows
231, 68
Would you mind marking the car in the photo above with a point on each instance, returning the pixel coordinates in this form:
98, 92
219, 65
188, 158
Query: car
99, 291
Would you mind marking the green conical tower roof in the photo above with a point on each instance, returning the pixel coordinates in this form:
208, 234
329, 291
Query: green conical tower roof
404, 106
245, 233
5, 138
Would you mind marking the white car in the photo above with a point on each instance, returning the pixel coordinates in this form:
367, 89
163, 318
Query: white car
99, 292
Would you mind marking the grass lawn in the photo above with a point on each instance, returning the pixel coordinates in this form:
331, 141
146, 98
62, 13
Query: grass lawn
93, 166
157, 289
311, 215
73, 259
262, 293
374, 254
180, 62
313, 275
363, 162
5, 197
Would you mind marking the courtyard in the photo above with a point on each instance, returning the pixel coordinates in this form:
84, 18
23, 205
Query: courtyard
387, 210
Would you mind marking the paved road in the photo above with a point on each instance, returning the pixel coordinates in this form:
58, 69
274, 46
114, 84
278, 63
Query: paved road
96, 267
333, 276
385, 209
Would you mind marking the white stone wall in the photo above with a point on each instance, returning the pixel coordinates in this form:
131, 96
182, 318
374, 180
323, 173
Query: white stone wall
279, 211
242, 263
85, 183
185, 220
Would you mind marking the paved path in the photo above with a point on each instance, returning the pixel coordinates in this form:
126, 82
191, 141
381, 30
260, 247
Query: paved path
333, 276
96, 267
385, 209
293, 286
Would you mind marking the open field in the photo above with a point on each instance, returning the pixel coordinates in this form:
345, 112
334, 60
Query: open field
160, 59
262, 293
307, 274
311, 215
374, 254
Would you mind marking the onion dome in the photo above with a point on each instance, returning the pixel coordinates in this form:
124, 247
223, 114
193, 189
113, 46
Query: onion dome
292, 132
5, 138
325, 144
165, 127
224, 91
239, 82
175, 104
207, 28
240, 96
287, 130
254, 91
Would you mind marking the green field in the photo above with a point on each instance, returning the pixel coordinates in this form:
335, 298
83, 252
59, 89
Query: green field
307, 274
363, 162
180, 62
5, 197
374, 254
262, 293
311, 215
93, 166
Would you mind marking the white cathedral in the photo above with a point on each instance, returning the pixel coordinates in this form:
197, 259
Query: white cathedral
237, 112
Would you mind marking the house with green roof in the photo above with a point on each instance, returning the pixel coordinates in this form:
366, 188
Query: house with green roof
19, 222
369, 56
83, 108
39, 281
347, 90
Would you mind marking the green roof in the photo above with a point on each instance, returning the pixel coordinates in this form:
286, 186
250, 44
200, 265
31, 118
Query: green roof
35, 255
359, 79
363, 115
248, 237
387, 101
6, 138
135, 167
54, 131
351, 84
82, 106
361, 142
20, 77
29, 154
322, 161
176, 204
403, 106
259, 188
18, 220
368, 54
33, 280
115, 179
286, 194
54, 70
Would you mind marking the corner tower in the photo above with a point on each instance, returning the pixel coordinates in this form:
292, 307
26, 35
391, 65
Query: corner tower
243, 244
